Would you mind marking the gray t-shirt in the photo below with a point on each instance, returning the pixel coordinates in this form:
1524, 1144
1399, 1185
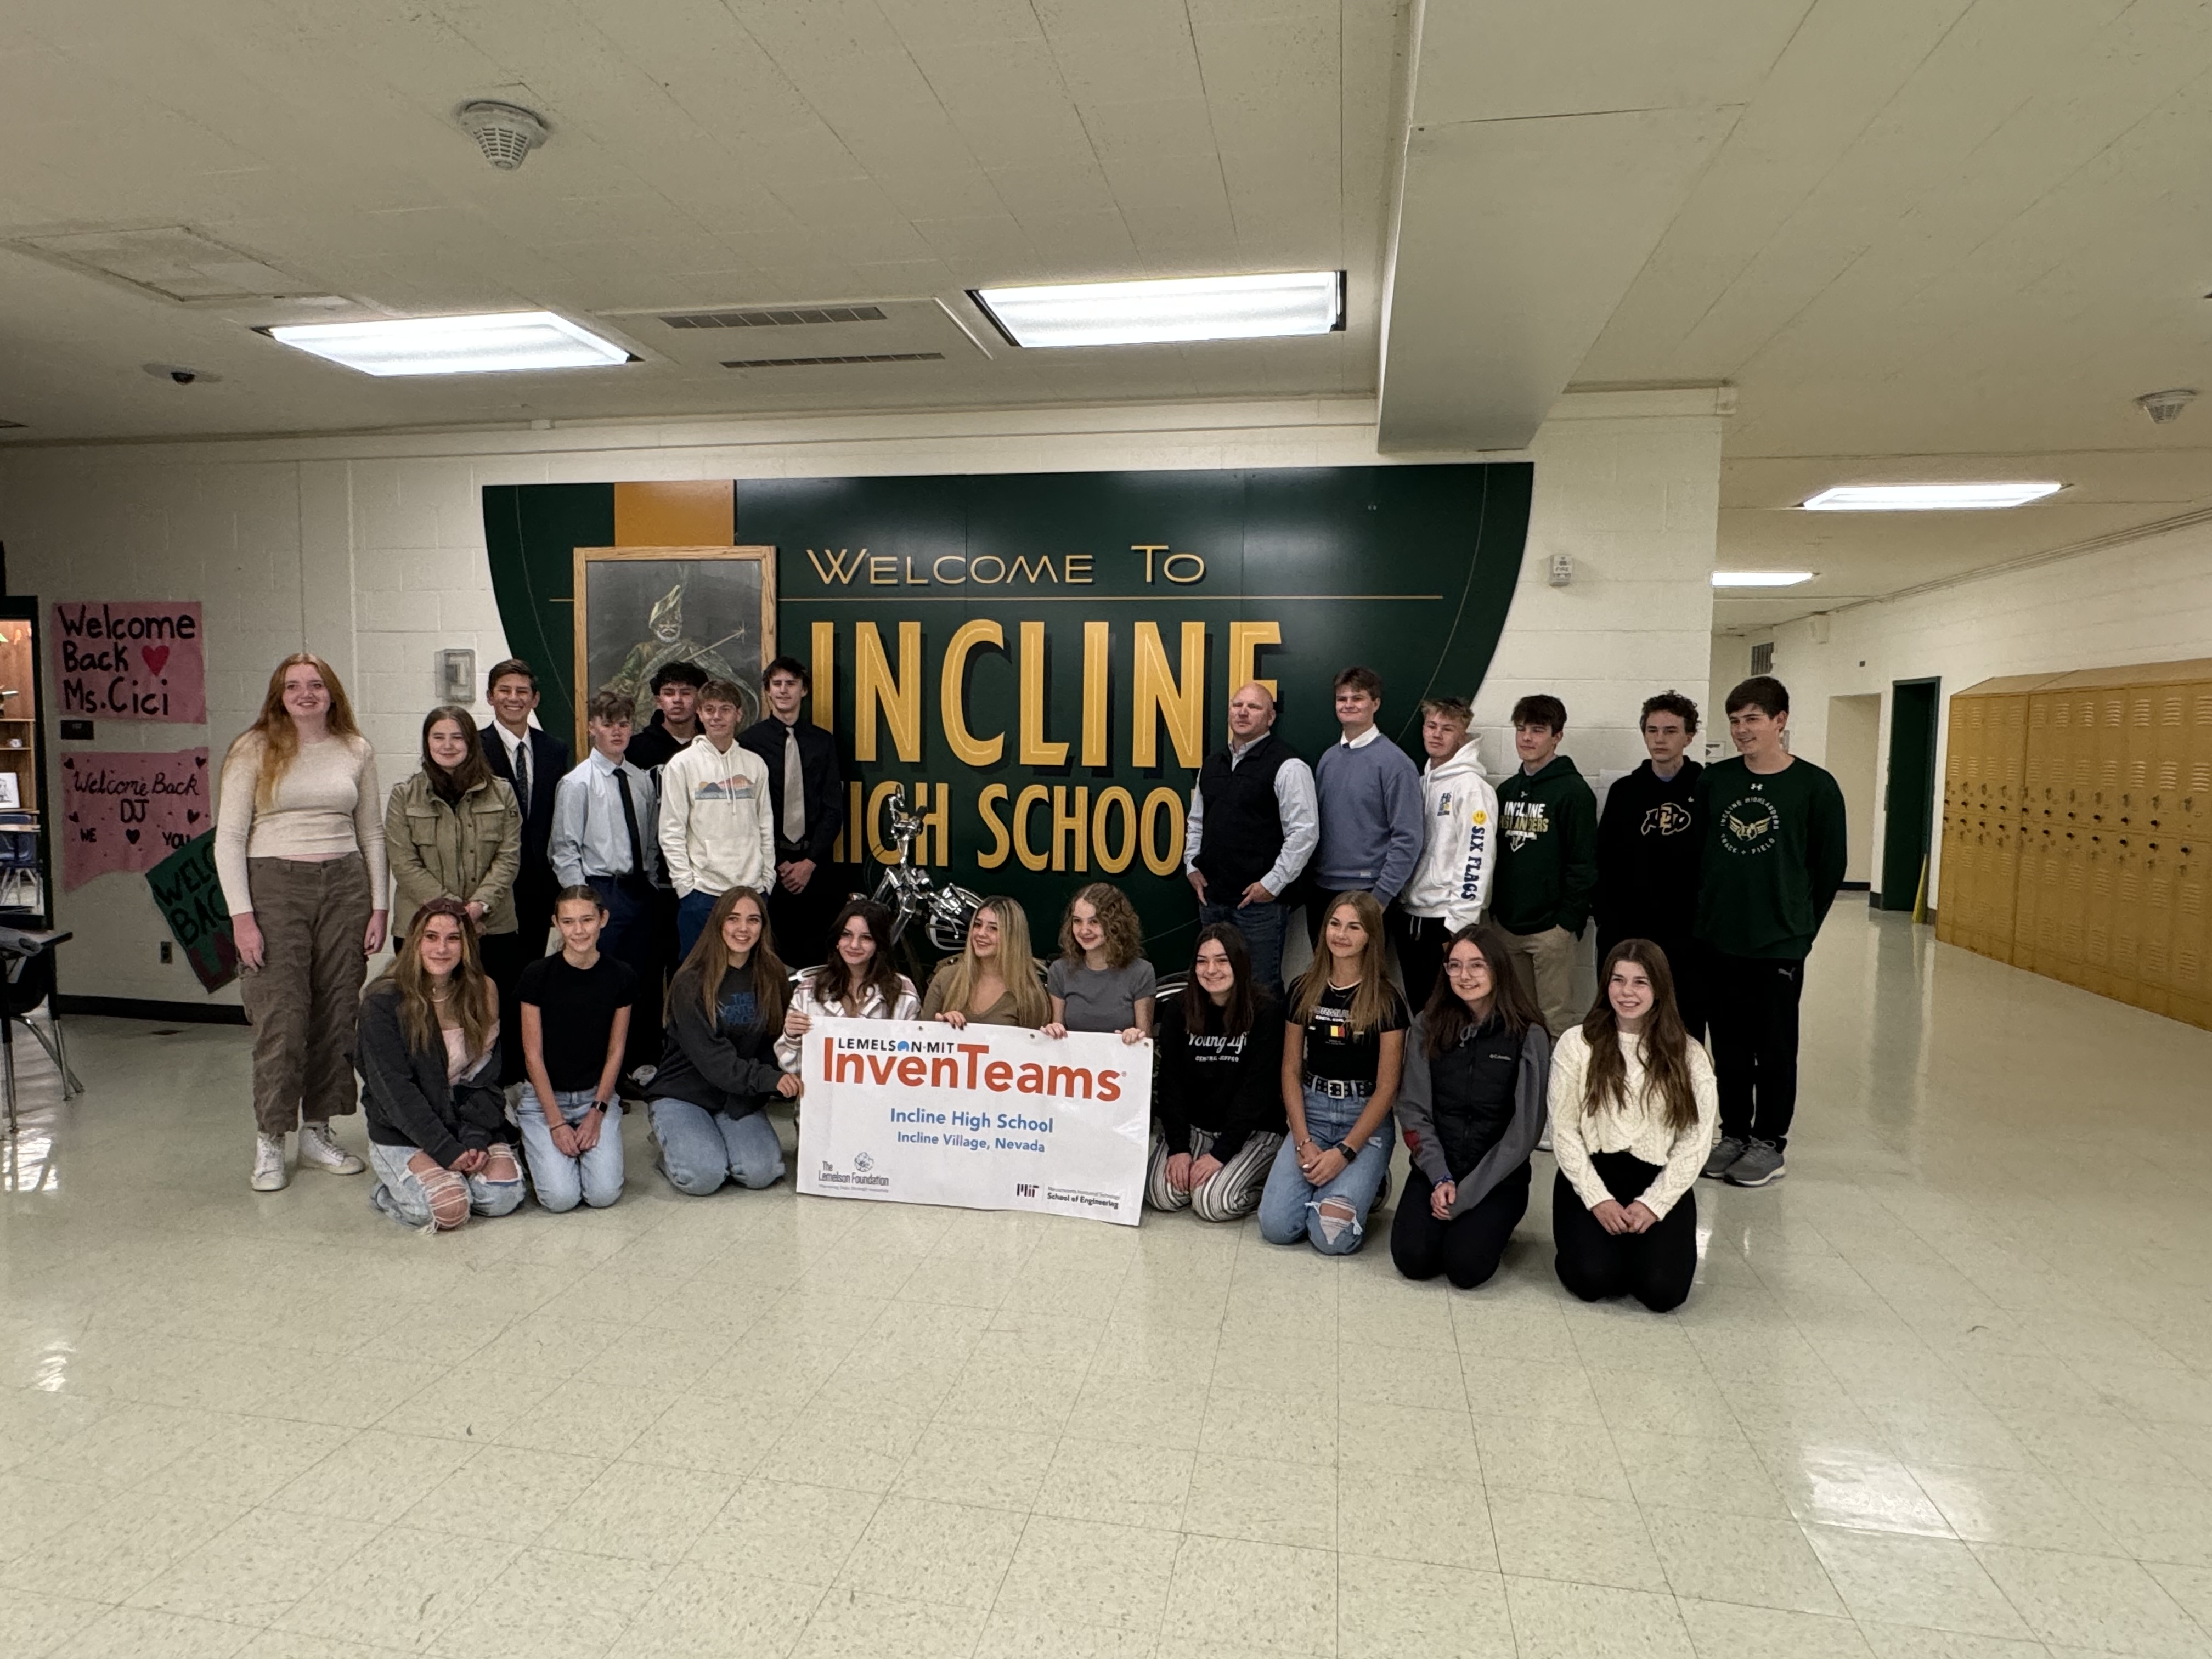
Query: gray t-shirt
1099, 999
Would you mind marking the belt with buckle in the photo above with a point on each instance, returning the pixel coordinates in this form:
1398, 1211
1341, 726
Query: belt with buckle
1338, 1089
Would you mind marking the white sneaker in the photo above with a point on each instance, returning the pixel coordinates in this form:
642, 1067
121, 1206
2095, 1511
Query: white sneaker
319, 1147
269, 1174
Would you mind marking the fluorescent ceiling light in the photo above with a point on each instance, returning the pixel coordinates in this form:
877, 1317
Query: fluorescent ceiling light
1761, 578
1180, 308
498, 343
1927, 498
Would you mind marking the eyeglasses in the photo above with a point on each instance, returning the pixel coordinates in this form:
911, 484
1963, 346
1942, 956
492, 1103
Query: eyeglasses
1463, 970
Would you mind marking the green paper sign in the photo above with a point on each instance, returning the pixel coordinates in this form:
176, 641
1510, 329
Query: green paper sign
189, 896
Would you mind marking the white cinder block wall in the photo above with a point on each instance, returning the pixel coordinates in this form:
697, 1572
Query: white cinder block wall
2144, 601
370, 550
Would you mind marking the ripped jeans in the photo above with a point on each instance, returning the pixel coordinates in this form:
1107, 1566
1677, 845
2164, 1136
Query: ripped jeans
444, 1200
1290, 1208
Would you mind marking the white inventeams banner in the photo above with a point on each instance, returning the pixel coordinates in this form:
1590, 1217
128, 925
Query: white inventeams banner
990, 1118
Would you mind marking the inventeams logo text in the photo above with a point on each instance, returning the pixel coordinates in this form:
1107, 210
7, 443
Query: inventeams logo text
959, 1066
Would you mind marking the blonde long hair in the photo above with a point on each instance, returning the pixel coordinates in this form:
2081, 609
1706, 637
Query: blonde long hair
278, 736
474, 997
1371, 1003
1017, 966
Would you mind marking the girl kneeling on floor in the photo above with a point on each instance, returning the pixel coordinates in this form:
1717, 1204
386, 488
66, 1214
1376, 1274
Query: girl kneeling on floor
1343, 1046
1219, 1086
1471, 1106
718, 1072
1100, 981
575, 1024
993, 981
1632, 1111
857, 982
429, 1056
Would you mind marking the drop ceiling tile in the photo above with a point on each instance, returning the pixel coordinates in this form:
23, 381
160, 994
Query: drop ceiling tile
1128, 65
1150, 130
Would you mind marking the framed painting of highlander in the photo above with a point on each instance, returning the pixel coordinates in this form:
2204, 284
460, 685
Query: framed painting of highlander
639, 609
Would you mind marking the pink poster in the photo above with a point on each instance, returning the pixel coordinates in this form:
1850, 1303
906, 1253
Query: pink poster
130, 811
142, 660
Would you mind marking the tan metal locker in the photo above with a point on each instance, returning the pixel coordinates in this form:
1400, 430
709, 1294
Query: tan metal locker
2078, 831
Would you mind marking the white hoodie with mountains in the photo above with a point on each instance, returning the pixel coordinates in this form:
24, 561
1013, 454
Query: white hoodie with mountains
1459, 850
717, 829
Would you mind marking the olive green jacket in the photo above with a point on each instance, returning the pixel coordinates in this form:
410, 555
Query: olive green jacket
471, 853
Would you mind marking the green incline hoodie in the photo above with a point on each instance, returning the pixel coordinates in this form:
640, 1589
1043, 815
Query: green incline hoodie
1546, 850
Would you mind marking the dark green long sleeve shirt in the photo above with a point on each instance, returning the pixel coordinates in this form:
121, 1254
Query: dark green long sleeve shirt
1774, 857
1546, 850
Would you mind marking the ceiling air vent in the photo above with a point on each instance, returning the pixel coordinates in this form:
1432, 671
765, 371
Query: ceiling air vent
787, 317
815, 363
170, 261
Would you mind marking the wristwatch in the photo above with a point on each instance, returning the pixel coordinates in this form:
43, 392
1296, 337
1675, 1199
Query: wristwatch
1349, 1153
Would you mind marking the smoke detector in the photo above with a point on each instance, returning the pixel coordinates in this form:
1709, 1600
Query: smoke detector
506, 133
2163, 406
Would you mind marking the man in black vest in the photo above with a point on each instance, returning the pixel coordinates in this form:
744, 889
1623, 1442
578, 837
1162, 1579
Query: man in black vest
809, 889
1253, 823
532, 761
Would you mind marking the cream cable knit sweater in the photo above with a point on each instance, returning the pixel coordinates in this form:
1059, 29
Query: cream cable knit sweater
1639, 1126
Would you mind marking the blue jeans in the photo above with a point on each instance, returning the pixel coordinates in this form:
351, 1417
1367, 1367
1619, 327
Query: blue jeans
692, 912
700, 1150
596, 1176
1290, 1208
1262, 927
442, 1198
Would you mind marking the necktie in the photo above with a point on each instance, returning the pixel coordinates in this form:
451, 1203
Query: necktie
794, 789
629, 822
522, 775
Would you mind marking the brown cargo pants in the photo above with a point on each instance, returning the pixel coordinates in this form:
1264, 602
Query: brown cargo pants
305, 1000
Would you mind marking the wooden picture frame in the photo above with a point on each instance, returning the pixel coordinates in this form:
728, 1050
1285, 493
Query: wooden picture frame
625, 634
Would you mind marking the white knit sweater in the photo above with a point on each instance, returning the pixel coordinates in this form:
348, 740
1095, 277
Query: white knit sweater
1637, 1126
326, 804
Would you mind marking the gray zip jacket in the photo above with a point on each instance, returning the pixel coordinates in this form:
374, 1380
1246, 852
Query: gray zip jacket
1416, 1119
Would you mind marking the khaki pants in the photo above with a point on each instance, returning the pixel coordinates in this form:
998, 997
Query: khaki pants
1545, 964
306, 998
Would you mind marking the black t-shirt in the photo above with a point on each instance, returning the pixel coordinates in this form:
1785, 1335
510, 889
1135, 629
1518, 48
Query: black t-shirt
1333, 1052
575, 1011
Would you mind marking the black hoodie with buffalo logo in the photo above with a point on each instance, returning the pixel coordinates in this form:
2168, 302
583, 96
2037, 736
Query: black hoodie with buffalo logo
1648, 853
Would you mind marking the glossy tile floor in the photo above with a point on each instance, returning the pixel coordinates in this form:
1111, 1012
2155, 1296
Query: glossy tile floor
1946, 1393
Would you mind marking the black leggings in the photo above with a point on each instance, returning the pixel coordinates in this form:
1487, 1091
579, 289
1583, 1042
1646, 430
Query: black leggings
1656, 1266
1465, 1249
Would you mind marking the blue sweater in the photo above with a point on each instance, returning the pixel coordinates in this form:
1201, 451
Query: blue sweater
1371, 818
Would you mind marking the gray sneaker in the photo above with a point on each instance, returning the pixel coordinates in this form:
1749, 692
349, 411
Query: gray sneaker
1760, 1163
1726, 1151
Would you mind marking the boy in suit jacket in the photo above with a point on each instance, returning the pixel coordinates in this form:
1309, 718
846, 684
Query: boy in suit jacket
533, 762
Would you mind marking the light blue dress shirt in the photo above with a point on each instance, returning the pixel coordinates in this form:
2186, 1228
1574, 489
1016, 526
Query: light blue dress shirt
588, 836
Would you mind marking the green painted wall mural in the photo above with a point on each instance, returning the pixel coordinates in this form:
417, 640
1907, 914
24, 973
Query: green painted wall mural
1043, 659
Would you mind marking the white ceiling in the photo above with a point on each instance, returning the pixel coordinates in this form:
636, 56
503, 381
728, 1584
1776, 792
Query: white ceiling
1925, 238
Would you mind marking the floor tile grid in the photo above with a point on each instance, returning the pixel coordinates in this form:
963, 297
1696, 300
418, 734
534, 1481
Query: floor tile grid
1748, 1425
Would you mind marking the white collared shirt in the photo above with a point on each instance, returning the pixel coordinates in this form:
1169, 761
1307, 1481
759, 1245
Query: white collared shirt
1362, 740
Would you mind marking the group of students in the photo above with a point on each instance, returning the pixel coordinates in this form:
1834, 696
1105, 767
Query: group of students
1278, 1102
1728, 869
495, 839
